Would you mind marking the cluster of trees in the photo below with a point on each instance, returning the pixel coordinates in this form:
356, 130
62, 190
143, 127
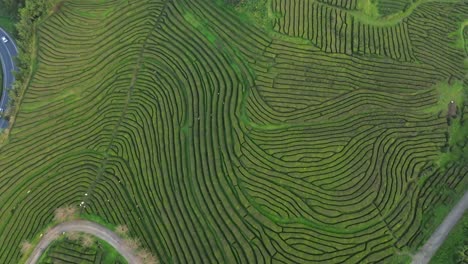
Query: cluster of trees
12, 6
28, 13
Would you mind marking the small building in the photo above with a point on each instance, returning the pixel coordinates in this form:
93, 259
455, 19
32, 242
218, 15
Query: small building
452, 110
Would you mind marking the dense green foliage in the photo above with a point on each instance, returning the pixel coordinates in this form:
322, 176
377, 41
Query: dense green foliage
9, 13
29, 16
70, 251
1, 80
12, 6
455, 248
216, 138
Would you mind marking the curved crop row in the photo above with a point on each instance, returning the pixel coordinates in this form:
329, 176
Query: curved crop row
347, 4
335, 30
389, 7
215, 142
80, 251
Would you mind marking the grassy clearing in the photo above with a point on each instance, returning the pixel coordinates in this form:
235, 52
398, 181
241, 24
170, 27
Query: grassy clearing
7, 23
368, 11
201, 26
97, 219
457, 149
369, 8
461, 36
446, 93
454, 249
400, 259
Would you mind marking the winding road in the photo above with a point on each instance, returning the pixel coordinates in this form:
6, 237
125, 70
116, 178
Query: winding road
85, 227
435, 241
422, 257
8, 51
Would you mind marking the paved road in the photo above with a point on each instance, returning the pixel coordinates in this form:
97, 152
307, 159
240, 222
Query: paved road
85, 227
438, 237
7, 52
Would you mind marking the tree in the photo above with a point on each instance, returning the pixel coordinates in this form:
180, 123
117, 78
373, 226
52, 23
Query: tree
64, 213
12, 6
122, 230
72, 236
87, 241
132, 243
147, 257
26, 246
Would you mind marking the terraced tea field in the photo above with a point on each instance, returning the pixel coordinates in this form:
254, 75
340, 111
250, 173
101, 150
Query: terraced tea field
70, 251
323, 138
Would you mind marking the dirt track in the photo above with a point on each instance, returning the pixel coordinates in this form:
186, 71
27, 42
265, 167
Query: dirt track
85, 227
422, 257
435, 241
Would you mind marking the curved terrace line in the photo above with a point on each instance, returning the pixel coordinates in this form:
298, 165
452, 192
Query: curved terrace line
86, 227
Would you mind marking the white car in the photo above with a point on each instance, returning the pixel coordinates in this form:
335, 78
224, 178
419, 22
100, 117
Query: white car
4, 39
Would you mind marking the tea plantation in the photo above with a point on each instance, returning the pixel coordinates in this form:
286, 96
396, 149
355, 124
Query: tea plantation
279, 131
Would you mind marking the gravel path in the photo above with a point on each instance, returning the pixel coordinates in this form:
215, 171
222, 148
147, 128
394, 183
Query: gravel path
85, 227
435, 241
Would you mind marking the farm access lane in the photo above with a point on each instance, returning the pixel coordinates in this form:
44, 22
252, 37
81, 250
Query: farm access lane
435, 241
7, 52
86, 227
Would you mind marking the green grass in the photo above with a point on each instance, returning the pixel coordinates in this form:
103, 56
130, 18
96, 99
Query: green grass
458, 131
446, 93
437, 217
453, 250
369, 8
201, 26
97, 219
110, 254
7, 24
461, 37
399, 259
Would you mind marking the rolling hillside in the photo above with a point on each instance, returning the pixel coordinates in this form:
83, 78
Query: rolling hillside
298, 131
